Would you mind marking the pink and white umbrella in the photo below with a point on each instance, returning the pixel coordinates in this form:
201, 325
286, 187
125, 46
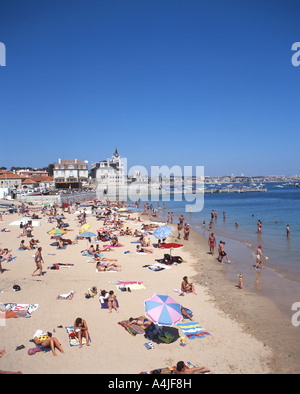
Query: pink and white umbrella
163, 310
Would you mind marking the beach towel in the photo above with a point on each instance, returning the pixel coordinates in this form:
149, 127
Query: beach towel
67, 296
131, 285
73, 340
133, 329
157, 267
180, 292
19, 310
192, 330
104, 304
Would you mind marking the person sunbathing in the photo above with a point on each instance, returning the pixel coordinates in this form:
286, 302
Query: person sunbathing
111, 301
23, 246
48, 341
92, 250
107, 267
60, 244
81, 330
114, 242
140, 321
5, 255
182, 370
143, 250
187, 287
32, 243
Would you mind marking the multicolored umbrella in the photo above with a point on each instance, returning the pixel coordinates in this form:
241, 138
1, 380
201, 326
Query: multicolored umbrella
56, 231
162, 232
163, 310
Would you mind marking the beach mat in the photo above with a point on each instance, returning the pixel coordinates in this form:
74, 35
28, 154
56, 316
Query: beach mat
13, 310
73, 341
192, 330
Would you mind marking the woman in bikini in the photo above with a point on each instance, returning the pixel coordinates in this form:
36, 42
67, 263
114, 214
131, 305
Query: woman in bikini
139, 321
112, 302
81, 330
48, 341
187, 287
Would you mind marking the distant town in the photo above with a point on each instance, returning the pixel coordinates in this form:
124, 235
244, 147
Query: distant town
74, 175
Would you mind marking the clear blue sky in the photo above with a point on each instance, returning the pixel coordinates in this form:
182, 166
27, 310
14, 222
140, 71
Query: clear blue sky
169, 82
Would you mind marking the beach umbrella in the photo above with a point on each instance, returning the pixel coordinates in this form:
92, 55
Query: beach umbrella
84, 228
171, 246
162, 232
56, 231
163, 310
87, 234
129, 209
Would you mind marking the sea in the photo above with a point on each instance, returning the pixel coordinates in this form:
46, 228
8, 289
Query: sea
276, 208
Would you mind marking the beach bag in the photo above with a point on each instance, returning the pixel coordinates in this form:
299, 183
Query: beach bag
166, 337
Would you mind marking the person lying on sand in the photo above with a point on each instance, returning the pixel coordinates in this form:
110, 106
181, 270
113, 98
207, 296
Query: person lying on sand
143, 250
139, 321
181, 370
112, 302
48, 341
107, 267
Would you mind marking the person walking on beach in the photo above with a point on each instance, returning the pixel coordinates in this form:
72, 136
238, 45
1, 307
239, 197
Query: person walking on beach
288, 231
212, 243
258, 258
222, 253
38, 258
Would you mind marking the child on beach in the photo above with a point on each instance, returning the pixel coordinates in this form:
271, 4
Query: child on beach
240, 285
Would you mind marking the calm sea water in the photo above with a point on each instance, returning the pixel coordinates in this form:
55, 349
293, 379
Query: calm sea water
275, 209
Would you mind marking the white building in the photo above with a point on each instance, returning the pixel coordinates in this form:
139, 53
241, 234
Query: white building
70, 173
110, 172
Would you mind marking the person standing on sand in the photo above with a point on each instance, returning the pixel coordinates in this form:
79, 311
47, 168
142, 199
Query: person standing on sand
186, 232
179, 228
212, 243
38, 258
258, 258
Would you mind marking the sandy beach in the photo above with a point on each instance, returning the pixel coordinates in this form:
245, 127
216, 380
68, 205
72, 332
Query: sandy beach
247, 332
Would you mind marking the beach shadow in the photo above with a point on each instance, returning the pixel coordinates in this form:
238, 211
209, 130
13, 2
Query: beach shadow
171, 330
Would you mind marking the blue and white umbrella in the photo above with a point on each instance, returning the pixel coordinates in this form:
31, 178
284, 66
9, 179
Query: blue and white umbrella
162, 232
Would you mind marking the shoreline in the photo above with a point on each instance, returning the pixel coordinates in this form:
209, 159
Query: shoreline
258, 315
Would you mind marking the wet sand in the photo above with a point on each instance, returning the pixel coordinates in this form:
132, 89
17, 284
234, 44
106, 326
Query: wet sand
258, 315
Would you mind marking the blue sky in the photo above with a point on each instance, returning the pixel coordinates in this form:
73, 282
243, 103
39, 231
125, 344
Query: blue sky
198, 83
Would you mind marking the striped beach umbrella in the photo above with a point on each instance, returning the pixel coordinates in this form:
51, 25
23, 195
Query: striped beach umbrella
163, 310
56, 231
